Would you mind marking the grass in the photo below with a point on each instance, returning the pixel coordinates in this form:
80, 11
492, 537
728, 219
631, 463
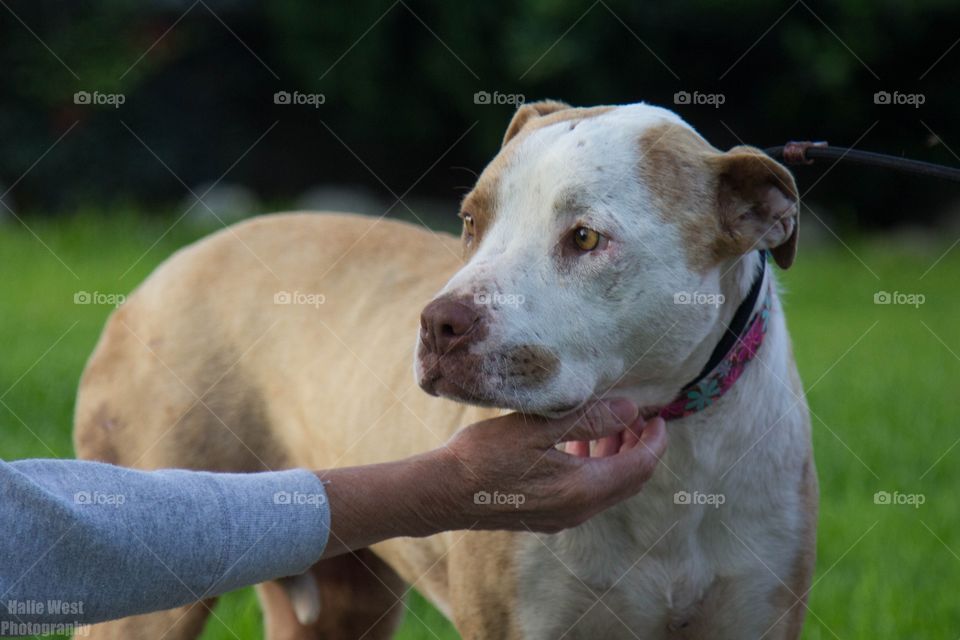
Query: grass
882, 383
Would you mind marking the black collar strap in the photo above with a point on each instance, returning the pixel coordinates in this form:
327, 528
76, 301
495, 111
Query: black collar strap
737, 325
738, 346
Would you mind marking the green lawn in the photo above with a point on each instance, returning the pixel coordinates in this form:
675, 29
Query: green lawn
883, 383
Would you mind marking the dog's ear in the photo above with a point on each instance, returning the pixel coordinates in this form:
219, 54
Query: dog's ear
758, 204
528, 112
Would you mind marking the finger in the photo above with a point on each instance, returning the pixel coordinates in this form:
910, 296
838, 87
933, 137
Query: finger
631, 435
654, 436
608, 446
600, 419
626, 472
579, 448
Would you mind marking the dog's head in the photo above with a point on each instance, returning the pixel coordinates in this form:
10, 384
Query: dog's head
600, 242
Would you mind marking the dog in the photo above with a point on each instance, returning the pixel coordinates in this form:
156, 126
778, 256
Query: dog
605, 251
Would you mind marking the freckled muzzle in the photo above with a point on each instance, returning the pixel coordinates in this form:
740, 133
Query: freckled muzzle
455, 362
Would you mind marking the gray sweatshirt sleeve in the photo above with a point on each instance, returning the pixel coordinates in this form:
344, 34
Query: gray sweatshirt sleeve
86, 542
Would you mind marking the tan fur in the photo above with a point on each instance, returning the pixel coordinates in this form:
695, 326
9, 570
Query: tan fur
182, 622
481, 204
359, 596
689, 178
484, 602
671, 165
747, 178
201, 369
530, 111
792, 598
558, 112
481, 201
258, 400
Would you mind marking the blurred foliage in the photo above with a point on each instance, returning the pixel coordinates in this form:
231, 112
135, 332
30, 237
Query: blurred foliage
400, 77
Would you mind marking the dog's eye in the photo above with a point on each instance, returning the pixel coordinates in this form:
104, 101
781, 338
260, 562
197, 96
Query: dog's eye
586, 239
468, 224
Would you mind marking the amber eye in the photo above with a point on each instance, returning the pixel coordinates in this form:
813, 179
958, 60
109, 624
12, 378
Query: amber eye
586, 239
468, 224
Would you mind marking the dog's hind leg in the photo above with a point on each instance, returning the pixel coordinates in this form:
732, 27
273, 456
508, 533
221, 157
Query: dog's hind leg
182, 623
145, 402
344, 598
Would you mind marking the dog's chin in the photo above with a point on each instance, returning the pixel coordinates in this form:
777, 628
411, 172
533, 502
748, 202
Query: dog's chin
481, 395
444, 387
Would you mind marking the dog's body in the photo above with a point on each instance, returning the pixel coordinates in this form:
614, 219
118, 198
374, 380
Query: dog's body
201, 368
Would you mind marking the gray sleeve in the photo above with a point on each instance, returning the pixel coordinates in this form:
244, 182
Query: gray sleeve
85, 542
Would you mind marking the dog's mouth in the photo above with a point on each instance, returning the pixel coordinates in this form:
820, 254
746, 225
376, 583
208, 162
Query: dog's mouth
437, 384
518, 378
449, 377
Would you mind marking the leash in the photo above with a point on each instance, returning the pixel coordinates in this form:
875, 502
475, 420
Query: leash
805, 152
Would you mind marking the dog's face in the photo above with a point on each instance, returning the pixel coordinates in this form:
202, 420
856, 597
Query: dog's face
583, 236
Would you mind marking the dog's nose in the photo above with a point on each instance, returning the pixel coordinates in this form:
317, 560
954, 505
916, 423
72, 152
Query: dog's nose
447, 323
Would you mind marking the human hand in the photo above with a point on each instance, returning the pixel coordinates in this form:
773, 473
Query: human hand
513, 476
503, 473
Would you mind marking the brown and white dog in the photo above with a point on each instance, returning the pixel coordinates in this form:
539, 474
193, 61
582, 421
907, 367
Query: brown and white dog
580, 239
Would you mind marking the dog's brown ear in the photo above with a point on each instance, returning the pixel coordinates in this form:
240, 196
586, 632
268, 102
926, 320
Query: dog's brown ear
758, 204
528, 112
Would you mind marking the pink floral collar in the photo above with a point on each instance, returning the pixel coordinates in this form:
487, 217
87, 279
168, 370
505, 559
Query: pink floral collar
707, 389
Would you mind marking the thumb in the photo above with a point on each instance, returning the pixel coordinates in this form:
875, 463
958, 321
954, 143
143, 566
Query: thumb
599, 419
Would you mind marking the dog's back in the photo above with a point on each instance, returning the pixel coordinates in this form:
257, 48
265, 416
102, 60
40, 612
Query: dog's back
591, 238
284, 341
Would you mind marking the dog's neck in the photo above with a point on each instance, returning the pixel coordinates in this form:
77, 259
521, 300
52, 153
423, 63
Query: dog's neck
737, 346
715, 365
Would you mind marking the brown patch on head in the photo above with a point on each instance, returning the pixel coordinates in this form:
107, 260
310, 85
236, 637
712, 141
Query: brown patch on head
725, 204
673, 168
538, 116
530, 111
481, 203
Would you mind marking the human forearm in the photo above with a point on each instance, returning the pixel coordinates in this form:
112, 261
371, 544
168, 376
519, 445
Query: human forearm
112, 542
417, 496
505, 473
